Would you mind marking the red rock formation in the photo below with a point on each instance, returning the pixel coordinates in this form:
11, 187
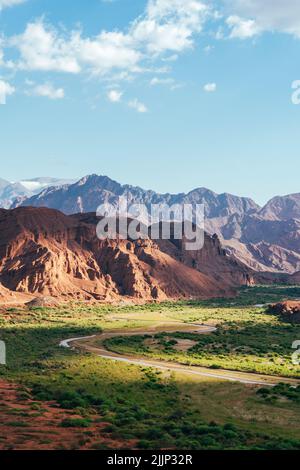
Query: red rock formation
43, 251
9, 297
265, 239
212, 260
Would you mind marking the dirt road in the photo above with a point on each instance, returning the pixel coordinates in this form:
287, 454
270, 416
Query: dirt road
95, 345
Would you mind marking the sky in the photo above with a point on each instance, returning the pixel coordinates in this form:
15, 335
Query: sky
165, 94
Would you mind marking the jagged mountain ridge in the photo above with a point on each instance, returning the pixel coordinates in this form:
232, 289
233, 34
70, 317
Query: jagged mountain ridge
17, 192
91, 191
282, 208
265, 239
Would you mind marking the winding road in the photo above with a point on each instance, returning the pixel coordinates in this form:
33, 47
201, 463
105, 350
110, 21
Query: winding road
95, 344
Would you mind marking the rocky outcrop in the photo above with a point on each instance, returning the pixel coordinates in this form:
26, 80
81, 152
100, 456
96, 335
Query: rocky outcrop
10, 297
40, 302
213, 260
289, 310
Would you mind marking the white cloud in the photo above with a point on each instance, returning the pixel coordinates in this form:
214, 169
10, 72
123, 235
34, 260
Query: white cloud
108, 51
210, 87
166, 26
41, 48
47, 90
10, 3
169, 82
5, 90
166, 29
241, 28
114, 96
265, 15
169, 25
138, 106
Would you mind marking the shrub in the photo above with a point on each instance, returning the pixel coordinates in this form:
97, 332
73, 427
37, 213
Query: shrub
75, 423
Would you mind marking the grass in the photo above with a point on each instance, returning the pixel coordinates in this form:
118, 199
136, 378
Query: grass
75, 423
247, 346
247, 339
144, 406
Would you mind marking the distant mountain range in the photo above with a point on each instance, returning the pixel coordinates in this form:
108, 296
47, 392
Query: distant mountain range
12, 191
265, 239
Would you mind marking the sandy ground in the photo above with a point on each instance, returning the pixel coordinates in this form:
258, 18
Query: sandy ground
184, 344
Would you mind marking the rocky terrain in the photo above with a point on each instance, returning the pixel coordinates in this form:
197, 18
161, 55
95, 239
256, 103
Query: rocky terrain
45, 252
265, 239
11, 297
28, 424
289, 310
91, 191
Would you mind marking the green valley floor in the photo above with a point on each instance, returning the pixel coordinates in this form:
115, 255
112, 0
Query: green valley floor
101, 403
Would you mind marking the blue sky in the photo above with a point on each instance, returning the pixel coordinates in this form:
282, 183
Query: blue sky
167, 94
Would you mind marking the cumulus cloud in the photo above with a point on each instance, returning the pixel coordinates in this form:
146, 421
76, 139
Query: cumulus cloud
166, 26
41, 48
138, 106
210, 87
241, 28
47, 90
165, 30
5, 90
255, 16
107, 51
114, 96
169, 25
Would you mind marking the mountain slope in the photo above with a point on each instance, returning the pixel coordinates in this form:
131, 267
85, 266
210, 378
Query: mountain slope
265, 239
262, 244
43, 251
282, 208
17, 192
11, 192
3, 184
91, 191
